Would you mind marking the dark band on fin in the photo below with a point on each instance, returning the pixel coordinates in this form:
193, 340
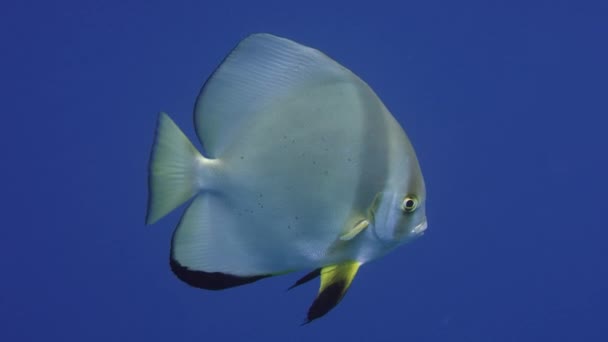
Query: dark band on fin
305, 279
210, 280
326, 300
335, 281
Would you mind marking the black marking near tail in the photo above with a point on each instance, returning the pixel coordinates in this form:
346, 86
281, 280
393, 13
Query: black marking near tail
326, 300
210, 280
305, 279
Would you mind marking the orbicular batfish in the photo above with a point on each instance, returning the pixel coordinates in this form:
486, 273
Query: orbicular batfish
304, 169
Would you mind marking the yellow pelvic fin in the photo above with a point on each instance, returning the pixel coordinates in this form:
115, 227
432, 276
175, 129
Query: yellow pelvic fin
335, 281
358, 228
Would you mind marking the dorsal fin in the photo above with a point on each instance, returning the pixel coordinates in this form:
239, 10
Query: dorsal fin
260, 70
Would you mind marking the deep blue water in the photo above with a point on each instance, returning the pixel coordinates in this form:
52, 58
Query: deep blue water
504, 101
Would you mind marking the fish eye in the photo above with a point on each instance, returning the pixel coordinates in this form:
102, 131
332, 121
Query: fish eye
409, 204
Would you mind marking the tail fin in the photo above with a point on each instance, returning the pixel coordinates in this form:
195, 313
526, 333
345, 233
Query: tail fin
172, 178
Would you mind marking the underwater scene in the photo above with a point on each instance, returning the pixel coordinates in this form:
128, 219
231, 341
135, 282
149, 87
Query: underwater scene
304, 171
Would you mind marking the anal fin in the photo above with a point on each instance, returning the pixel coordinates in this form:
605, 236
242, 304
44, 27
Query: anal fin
335, 281
210, 280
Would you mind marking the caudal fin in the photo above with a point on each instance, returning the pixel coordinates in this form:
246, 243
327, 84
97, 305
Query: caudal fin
172, 178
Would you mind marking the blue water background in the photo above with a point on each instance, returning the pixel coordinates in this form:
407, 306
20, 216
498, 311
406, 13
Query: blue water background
504, 101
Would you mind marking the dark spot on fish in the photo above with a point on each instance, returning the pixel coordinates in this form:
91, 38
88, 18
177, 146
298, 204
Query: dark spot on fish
349, 160
242, 157
326, 172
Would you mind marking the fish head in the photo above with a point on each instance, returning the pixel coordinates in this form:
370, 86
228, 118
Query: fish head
399, 214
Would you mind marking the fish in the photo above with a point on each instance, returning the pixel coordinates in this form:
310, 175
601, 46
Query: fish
303, 169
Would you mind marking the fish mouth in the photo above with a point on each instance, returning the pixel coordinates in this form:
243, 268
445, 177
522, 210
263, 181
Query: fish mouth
420, 228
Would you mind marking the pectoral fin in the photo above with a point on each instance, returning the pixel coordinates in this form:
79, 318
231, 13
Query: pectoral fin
335, 281
355, 230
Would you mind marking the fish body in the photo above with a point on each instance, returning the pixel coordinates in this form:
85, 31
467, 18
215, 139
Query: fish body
305, 169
